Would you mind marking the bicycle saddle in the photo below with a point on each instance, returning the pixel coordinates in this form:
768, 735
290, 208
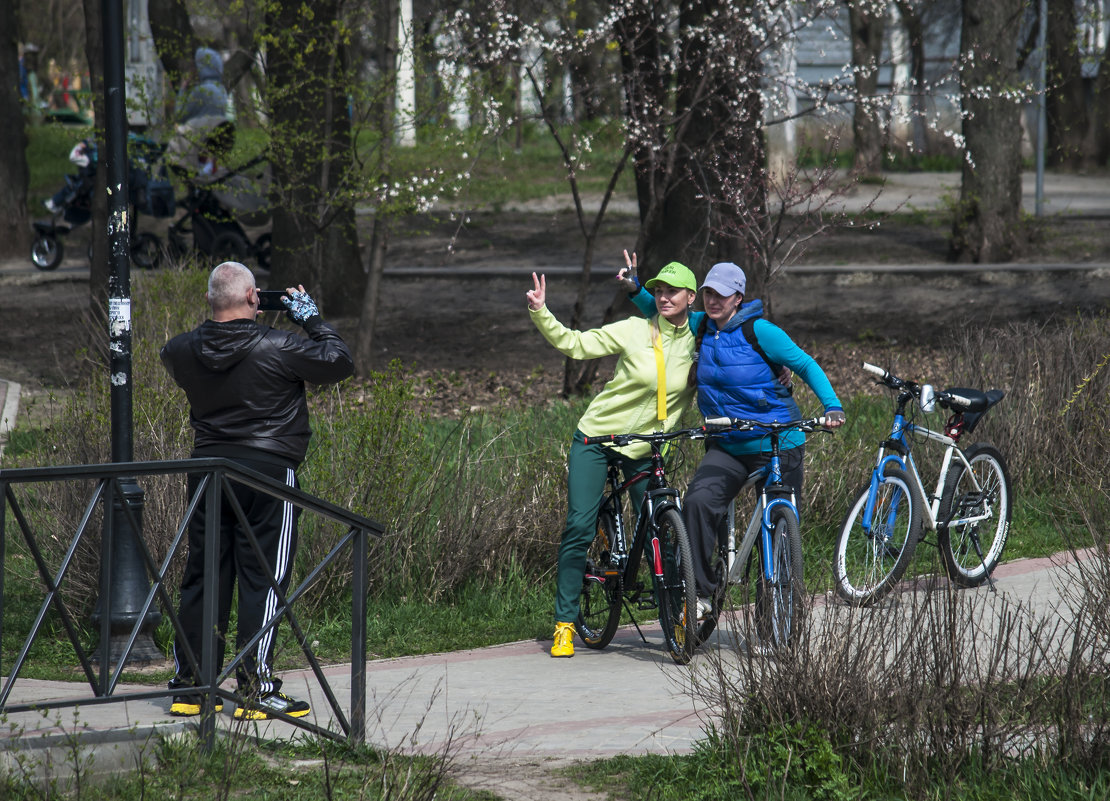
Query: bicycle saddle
980, 402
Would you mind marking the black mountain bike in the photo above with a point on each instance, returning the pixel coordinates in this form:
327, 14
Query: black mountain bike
613, 561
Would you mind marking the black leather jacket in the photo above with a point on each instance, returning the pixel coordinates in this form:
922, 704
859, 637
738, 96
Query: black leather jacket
245, 383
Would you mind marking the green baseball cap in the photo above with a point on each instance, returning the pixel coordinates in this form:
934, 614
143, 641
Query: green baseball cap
677, 275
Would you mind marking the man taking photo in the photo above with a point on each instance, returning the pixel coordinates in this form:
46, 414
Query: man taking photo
245, 383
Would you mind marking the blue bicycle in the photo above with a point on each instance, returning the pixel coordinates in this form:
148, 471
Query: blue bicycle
766, 560
969, 510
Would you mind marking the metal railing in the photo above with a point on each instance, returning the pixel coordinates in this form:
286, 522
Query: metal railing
217, 477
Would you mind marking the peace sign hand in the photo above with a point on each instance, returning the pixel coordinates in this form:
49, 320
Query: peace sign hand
537, 297
627, 275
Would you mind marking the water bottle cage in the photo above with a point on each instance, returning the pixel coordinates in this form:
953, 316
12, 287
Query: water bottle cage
955, 426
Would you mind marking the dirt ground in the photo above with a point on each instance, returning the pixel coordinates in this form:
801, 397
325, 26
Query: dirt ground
902, 319
453, 325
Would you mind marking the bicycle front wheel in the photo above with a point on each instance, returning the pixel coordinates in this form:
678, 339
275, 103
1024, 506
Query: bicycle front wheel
675, 590
780, 598
869, 562
599, 607
974, 516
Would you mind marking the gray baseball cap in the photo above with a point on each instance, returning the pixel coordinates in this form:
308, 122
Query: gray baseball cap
725, 278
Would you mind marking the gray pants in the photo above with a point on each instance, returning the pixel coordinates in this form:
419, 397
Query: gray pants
715, 484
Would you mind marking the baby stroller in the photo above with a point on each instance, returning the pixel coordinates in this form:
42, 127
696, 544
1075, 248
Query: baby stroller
149, 191
216, 209
219, 202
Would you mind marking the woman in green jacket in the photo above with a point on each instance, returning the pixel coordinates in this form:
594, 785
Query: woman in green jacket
639, 398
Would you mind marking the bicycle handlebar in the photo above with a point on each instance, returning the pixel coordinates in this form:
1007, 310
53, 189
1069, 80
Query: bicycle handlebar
722, 424
713, 425
950, 399
655, 436
876, 371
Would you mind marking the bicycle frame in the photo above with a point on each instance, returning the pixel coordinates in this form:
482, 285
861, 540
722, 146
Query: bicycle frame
773, 493
903, 458
657, 497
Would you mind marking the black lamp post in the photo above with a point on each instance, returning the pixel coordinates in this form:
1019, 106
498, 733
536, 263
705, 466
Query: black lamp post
126, 572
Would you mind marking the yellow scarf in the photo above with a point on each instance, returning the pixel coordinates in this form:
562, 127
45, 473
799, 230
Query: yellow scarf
660, 369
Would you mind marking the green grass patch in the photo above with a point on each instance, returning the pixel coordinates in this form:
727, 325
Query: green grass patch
800, 765
518, 608
494, 172
242, 768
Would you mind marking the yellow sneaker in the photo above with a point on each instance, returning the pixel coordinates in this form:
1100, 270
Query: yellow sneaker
271, 705
185, 706
564, 640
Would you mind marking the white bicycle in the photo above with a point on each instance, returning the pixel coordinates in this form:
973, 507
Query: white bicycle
969, 510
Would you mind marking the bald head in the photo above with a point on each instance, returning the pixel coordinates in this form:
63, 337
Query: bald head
229, 291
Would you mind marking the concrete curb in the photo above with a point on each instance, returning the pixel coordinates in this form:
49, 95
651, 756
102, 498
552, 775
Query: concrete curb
9, 408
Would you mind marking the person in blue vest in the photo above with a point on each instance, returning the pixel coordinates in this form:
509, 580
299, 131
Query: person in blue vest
742, 369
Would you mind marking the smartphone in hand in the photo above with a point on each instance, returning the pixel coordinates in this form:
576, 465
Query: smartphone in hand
270, 300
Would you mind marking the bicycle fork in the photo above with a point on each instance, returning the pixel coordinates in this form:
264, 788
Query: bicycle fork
768, 533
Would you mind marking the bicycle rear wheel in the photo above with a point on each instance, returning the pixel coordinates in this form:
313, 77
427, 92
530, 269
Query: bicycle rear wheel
868, 563
708, 625
146, 251
599, 607
675, 591
978, 501
780, 600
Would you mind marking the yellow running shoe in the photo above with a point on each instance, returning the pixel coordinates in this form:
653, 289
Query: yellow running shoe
185, 706
564, 640
271, 705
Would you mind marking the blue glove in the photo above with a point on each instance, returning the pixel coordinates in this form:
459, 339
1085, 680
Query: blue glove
300, 306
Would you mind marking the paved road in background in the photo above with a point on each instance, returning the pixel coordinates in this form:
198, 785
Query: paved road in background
1079, 195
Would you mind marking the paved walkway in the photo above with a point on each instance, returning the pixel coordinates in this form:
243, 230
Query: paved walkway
505, 702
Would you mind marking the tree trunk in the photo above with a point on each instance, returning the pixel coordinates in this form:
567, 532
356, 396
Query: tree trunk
386, 20
915, 33
314, 240
1097, 147
174, 39
865, 22
711, 139
1065, 100
586, 69
343, 276
15, 228
986, 225
368, 315
645, 77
